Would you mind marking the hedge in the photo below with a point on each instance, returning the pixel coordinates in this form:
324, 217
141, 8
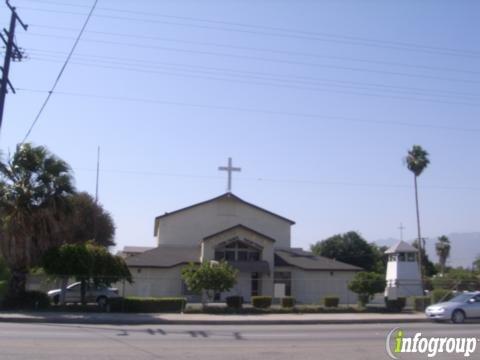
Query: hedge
29, 300
234, 302
331, 301
288, 302
396, 305
3, 289
147, 305
421, 303
262, 302
441, 295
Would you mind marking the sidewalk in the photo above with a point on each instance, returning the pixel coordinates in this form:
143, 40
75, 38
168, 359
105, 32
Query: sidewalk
207, 319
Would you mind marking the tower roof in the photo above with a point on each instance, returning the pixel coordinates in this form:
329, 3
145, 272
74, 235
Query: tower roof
401, 246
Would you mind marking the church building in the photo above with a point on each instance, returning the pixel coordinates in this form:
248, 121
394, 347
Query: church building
255, 241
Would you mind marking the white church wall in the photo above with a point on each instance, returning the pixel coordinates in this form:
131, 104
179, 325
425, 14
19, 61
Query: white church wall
311, 286
156, 282
190, 226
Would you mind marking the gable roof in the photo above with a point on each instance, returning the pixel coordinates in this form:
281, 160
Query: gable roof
227, 195
240, 226
308, 261
165, 256
401, 246
136, 249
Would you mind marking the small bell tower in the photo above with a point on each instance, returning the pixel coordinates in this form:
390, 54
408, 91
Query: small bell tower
403, 271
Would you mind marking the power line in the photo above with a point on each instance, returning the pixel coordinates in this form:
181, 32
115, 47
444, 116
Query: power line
317, 88
133, 66
257, 58
281, 32
64, 66
278, 180
259, 111
274, 51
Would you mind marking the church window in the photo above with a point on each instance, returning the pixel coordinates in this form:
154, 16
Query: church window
253, 256
242, 255
237, 251
255, 280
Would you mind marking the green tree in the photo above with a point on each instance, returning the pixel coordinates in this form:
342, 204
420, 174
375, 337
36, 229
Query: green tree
349, 248
85, 262
4, 272
417, 161
442, 247
366, 285
381, 260
90, 221
209, 278
457, 279
34, 189
428, 268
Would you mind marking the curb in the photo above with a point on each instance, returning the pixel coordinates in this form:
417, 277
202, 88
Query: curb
99, 321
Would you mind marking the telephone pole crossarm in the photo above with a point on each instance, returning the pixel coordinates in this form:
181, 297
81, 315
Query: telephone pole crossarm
12, 53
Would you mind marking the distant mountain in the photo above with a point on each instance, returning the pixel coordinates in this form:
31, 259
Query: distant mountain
465, 247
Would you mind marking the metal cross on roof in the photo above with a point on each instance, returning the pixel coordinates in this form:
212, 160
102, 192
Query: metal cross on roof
229, 169
401, 228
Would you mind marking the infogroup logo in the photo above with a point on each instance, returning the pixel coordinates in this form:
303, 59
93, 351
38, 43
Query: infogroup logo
397, 343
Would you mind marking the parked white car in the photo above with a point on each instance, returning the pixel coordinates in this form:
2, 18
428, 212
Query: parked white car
93, 294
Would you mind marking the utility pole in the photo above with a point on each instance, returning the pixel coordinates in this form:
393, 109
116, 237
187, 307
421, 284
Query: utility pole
12, 53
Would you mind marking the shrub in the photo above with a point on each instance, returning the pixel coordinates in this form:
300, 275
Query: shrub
211, 277
396, 305
3, 289
29, 300
367, 284
147, 305
363, 299
441, 295
331, 301
234, 302
421, 303
262, 302
288, 302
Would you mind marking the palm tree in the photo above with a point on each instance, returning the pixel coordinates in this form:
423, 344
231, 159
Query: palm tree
417, 160
443, 251
34, 202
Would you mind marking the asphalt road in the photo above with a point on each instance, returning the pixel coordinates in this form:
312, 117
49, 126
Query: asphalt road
55, 341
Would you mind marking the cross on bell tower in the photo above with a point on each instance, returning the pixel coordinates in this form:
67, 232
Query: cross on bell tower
401, 228
229, 169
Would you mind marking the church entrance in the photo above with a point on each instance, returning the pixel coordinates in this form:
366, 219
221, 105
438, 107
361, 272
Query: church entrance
255, 284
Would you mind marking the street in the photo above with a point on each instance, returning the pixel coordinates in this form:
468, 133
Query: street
57, 341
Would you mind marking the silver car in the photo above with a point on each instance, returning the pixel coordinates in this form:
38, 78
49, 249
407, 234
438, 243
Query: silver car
93, 294
463, 306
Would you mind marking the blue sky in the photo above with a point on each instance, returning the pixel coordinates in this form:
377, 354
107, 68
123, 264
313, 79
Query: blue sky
317, 101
